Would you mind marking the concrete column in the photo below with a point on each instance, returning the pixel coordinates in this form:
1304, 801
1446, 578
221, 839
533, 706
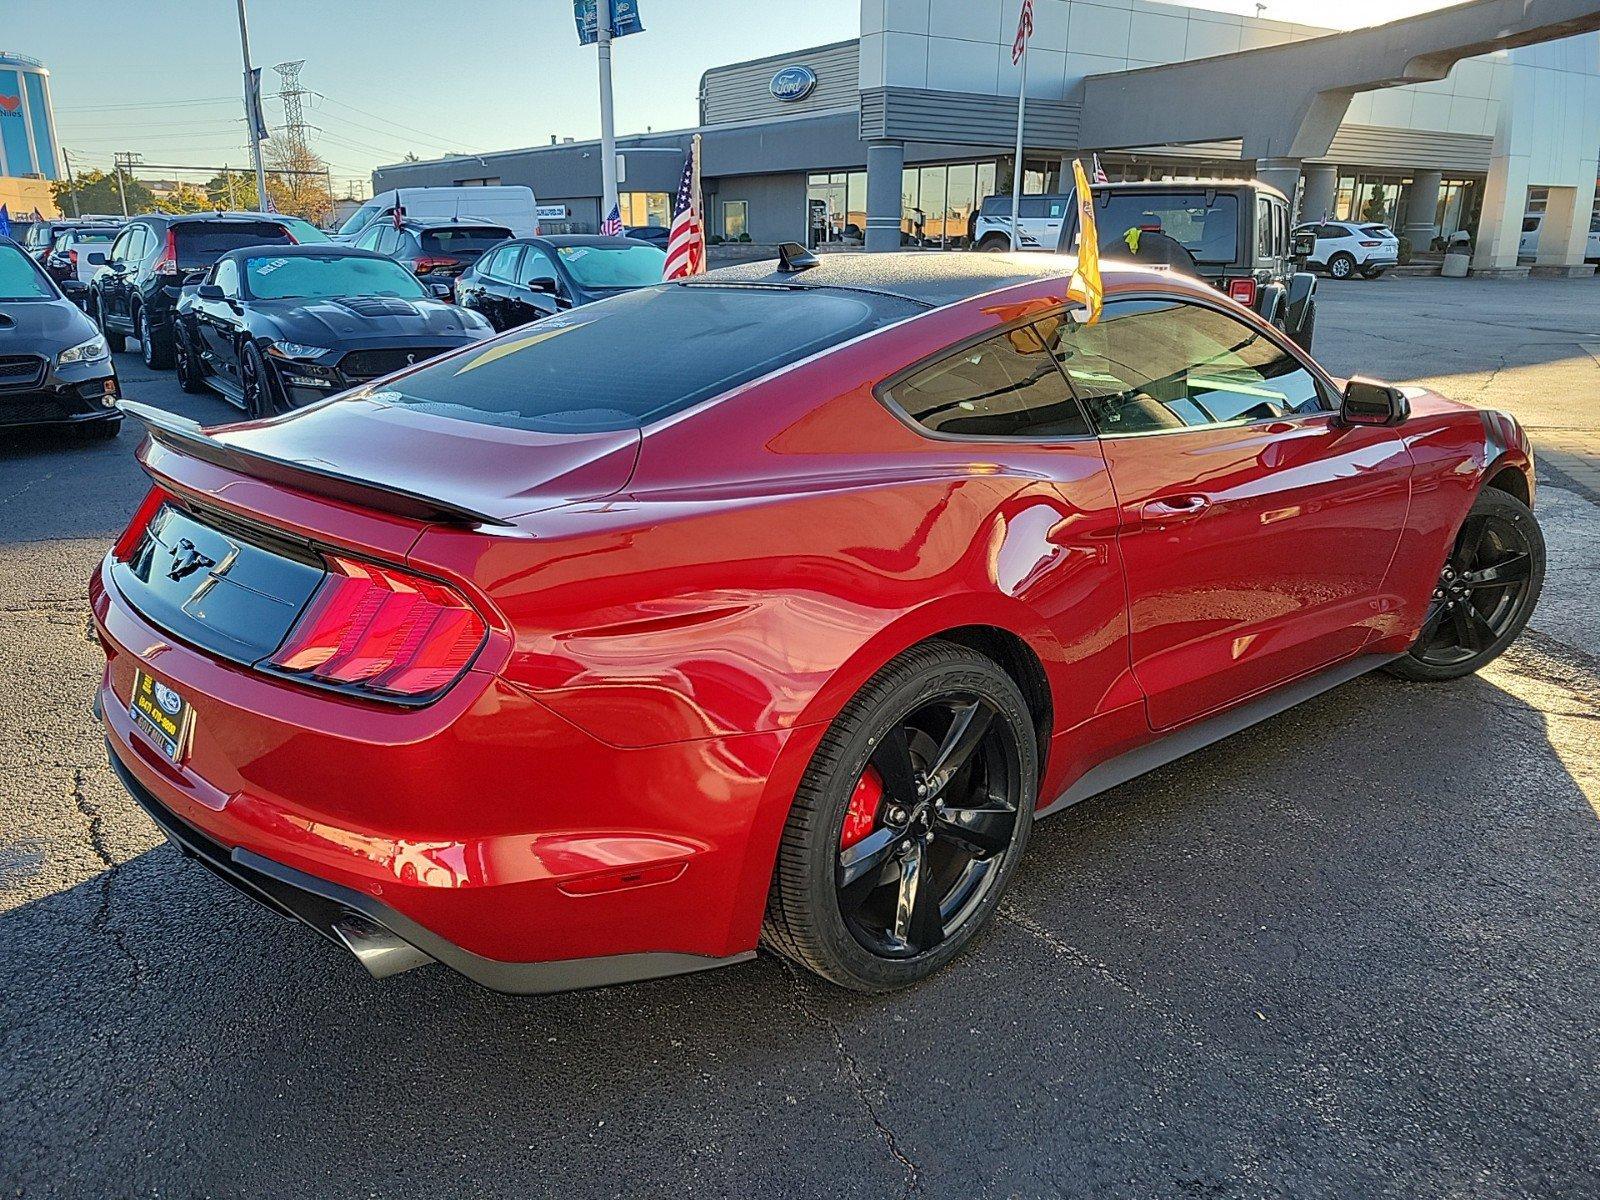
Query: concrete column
1564, 237
1422, 209
1320, 192
1505, 195
1283, 174
885, 162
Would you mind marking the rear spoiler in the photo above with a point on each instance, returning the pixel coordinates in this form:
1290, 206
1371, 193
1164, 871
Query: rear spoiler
186, 437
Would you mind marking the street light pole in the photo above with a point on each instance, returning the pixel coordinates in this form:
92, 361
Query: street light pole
251, 107
608, 135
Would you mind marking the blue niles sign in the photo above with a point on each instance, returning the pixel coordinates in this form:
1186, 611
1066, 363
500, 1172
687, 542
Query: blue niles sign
624, 19
793, 83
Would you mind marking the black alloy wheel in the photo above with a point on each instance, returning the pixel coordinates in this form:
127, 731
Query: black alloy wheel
155, 345
189, 376
909, 823
254, 383
1485, 594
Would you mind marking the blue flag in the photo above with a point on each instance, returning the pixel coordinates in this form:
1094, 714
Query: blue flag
5, 221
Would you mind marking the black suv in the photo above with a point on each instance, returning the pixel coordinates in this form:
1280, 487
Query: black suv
434, 251
134, 293
1234, 234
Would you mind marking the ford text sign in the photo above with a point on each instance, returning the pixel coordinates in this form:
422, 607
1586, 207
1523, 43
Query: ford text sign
793, 83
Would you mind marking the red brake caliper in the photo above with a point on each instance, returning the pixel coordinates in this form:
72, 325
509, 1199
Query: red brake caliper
862, 814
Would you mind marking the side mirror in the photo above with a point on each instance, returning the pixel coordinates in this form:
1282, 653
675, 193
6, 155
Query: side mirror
96, 259
116, 264
1303, 244
1368, 402
210, 291
544, 284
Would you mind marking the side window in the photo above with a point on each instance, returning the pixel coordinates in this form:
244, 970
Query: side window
1329, 231
1006, 387
1263, 227
1153, 365
119, 248
536, 264
368, 239
227, 277
388, 239
147, 243
502, 264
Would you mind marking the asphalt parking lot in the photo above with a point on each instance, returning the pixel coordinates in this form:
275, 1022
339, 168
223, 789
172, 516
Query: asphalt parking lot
1351, 952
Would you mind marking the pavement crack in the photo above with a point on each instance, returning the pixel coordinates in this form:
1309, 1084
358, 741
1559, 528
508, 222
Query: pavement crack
853, 1071
101, 921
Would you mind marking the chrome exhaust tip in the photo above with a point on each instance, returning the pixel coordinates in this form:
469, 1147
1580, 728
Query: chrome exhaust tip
379, 951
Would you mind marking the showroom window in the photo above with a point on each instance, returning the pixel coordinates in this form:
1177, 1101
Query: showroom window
836, 206
947, 197
646, 208
735, 219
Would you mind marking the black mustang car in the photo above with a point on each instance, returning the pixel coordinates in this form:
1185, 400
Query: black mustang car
275, 327
55, 368
524, 279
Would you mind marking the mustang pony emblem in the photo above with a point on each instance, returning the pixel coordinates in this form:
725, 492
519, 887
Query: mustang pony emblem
186, 560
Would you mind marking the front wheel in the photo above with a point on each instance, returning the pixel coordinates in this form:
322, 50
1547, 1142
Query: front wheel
189, 377
995, 245
1485, 594
909, 822
255, 382
1341, 266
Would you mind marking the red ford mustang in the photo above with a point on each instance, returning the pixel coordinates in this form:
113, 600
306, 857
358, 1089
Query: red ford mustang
770, 608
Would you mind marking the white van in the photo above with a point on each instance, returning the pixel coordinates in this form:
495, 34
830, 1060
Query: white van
513, 207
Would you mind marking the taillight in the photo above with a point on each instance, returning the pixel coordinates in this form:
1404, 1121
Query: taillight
167, 264
1243, 290
1371, 243
72, 259
422, 266
133, 536
381, 630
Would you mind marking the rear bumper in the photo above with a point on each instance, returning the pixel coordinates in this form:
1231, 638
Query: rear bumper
482, 830
384, 941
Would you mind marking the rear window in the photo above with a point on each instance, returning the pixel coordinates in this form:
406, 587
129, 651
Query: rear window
625, 362
201, 243
1207, 226
84, 238
459, 242
20, 279
1381, 231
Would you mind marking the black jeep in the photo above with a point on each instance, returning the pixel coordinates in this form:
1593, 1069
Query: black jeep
1234, 234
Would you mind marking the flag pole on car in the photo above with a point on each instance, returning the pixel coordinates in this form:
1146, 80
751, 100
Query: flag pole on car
1085, 285
1019, 55
686, 244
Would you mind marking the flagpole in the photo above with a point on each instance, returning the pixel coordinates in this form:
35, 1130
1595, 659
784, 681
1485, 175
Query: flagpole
608, 136
1016, 170
252, 105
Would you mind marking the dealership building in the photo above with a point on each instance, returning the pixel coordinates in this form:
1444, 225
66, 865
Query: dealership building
1466, 118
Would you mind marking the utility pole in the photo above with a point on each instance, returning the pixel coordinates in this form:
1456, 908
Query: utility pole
123, 163
71, 182
252, 108
608, 135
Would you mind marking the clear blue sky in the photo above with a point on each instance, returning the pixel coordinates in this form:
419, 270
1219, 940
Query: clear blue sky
161, 77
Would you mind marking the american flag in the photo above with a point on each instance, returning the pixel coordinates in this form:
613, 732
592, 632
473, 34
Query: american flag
686, 244
1099, 172
612, 225
1024, 32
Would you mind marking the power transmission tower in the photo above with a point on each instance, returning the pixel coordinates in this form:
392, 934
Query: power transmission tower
292, 95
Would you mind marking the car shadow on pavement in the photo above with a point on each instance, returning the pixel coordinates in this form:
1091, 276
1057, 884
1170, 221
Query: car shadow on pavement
1349, 951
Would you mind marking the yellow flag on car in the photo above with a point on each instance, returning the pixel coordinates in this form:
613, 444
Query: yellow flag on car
1085, 285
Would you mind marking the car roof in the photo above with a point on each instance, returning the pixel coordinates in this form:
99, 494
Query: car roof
581, 239
425, 224
308, 250
936, 279
933, 279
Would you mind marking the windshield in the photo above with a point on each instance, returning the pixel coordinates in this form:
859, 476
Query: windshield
465, 241
311, 276
584, 370
1207, 230
20, 279
358, 219
613, 266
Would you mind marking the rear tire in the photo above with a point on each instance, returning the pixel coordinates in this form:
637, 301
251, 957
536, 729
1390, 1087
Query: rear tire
115, 342
1486, 592
994, 244
189, 376
1341, 265
953, 846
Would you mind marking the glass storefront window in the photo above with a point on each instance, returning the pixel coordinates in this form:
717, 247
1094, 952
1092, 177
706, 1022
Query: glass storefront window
855, 215
961, 203
826, 206
645, 208
735, 218
931, 200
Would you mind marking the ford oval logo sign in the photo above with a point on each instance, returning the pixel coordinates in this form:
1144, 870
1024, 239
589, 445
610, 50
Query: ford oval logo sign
793, 83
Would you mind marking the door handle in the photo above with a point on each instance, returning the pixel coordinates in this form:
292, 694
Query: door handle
1170, 509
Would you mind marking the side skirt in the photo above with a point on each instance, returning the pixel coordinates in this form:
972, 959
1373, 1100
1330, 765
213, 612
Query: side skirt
1189, 738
